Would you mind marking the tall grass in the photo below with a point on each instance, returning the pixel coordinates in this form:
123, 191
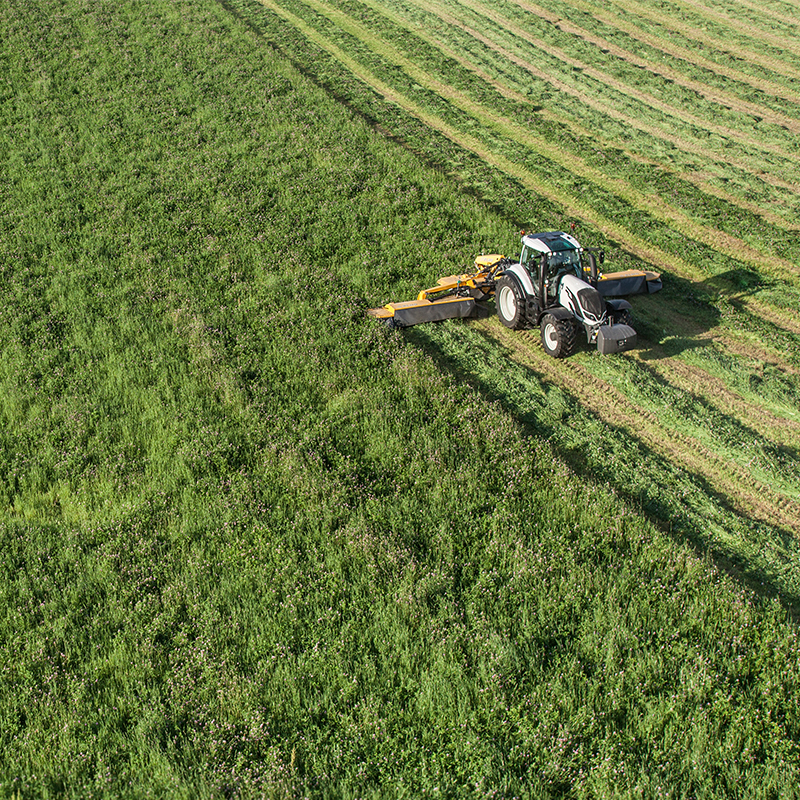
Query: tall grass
255, 545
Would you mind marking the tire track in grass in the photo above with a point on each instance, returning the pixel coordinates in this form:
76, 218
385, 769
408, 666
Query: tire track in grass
690, 146
725, 243
750, 497
696, 34
572, 206
717, 96
621, 23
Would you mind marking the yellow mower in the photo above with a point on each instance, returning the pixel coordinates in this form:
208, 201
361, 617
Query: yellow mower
555, 285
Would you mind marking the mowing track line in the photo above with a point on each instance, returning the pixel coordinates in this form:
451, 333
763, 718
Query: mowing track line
696, 34
691, 147
750, 497
606, 79
731, 246
717, 96
572, 206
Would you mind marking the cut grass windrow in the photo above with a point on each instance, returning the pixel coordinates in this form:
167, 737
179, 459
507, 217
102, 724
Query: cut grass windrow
672, 111
572, 205
761, 10
747, 28
678, 24
695, 380
731, 246
717, 96
751, 497
622, 22
586, 98
697, 179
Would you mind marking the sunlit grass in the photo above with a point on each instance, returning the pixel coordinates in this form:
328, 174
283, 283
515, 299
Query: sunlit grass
256, 545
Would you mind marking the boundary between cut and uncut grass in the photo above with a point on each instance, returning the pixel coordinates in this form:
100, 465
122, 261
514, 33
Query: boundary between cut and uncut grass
748, 496
574, 207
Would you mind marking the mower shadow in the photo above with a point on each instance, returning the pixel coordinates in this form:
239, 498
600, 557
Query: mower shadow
656, 510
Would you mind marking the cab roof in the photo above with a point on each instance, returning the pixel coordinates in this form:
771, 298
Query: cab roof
551, 241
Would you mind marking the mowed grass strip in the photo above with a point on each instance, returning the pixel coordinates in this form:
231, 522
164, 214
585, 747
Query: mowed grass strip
622, 22
754, 27
751, 497
714, 95
590, 98
677, 114
773, 217
729, 245
770, 62
700, 382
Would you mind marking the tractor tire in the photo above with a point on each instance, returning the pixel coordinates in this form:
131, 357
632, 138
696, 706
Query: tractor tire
510, 303
559, 337
624, 317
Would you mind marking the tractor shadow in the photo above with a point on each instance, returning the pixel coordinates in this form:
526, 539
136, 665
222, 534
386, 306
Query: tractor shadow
684, 528
674, 320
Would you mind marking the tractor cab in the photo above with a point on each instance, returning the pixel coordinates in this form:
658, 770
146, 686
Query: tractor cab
558, 252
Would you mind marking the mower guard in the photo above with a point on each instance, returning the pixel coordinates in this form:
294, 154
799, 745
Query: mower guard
632, 281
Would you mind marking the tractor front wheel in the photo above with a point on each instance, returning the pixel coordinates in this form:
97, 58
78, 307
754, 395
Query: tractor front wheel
624, 317
558, 336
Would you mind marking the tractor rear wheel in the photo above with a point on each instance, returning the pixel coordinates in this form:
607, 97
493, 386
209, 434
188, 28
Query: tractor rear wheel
559, 336
510, 303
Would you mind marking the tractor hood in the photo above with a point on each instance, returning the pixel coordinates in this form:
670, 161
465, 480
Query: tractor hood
583, 300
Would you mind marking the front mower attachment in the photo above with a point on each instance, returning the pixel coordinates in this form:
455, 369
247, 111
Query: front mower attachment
628, 282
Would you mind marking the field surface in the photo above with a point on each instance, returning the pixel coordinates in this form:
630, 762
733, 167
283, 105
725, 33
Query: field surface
256, 544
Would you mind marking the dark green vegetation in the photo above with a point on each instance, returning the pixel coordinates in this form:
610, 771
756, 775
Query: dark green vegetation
254, 544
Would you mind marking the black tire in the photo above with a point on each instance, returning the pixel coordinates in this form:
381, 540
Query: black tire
559, 337
510, 303
624, 317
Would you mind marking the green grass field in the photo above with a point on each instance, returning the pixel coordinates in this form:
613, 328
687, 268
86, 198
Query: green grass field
256, 544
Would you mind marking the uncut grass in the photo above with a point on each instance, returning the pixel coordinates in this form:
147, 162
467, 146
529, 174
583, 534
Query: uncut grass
254, 543
676, 495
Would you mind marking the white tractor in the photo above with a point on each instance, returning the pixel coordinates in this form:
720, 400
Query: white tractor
556, 286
